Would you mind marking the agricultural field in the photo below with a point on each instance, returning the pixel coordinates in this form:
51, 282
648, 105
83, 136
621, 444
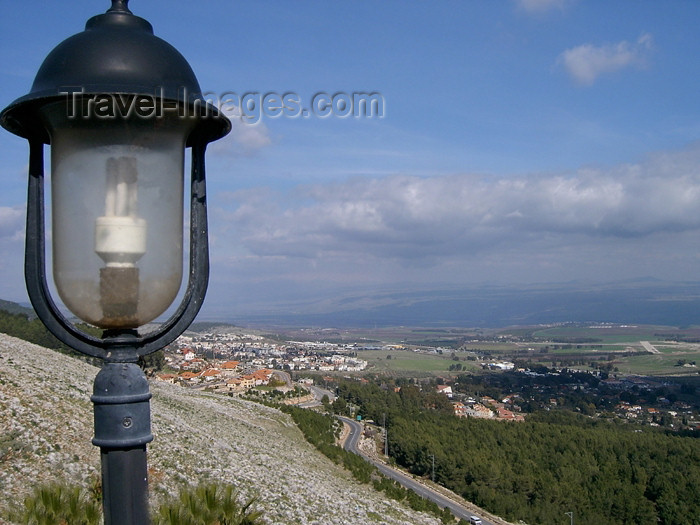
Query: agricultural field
642, 350
609, 333
409, 363
676, 360
627, 349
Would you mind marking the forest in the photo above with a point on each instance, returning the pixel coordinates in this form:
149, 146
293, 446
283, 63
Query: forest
538, 470
18, 324
321, 430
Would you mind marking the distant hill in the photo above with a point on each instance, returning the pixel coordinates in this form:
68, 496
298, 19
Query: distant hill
211, 327
15, 308
643, 301
47, 424
198, 326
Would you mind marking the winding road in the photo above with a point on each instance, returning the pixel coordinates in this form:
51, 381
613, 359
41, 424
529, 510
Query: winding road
317, 393
460, 511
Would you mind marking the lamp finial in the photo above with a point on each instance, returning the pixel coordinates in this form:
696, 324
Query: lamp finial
119, 6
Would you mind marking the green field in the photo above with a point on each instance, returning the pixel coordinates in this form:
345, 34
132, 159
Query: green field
409, 363
414, 364
492, 348
666, 362
574, 345
654, 365
614, 333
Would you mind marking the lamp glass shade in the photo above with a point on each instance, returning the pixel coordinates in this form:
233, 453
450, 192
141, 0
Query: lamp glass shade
117, 214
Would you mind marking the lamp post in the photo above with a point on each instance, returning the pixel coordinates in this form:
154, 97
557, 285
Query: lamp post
571, 515
118, 107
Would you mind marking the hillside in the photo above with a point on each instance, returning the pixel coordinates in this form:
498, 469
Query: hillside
14, 308
46, 417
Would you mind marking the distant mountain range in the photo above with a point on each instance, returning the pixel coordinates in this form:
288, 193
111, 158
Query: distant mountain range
645, 301
641, 301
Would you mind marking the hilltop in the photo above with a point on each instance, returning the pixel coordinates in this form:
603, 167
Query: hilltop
46, 416
14, 308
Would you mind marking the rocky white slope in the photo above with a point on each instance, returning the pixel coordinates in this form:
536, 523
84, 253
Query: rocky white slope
46, 428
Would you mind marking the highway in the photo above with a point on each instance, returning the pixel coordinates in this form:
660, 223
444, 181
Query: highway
405, 480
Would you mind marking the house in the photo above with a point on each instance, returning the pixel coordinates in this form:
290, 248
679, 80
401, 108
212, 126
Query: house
479, 410
445, 389
229, 368
211, 374
460, 409
507, 415
240, 383
194, 363
504, 365
190, 377
262, 377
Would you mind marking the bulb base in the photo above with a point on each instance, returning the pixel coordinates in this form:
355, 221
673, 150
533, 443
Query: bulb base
120, 241
119, 296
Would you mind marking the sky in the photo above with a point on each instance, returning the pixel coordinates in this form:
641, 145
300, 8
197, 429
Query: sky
514, 142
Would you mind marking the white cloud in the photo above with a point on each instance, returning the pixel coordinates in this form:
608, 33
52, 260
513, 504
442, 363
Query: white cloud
250, 137
408, 219
585, 63
11, 223
635, 220
245, 138
11, 253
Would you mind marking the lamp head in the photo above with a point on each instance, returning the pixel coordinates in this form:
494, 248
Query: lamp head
118, 106
117, 53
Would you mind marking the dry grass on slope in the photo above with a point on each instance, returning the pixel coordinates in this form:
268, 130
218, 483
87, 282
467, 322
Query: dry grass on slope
46, 421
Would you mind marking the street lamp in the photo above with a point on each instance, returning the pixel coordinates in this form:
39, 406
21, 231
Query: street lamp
118, 106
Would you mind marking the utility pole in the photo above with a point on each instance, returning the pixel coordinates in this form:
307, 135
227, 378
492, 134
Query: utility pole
386, 438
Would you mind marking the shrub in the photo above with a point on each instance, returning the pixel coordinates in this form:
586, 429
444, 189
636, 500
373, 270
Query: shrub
58, 504
208, 504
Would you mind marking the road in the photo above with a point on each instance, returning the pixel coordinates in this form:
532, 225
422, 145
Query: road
405, 480
284, 376
318, 394
649, 347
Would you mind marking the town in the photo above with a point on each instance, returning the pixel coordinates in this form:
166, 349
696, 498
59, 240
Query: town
236, 361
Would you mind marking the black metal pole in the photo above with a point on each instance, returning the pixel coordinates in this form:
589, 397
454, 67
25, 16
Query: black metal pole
121, 399
124, 486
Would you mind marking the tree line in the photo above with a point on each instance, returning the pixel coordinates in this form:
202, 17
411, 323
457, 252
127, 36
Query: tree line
32, 330
322, 431
537, 470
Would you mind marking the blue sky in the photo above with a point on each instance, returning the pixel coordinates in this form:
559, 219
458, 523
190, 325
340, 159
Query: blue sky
521, 141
